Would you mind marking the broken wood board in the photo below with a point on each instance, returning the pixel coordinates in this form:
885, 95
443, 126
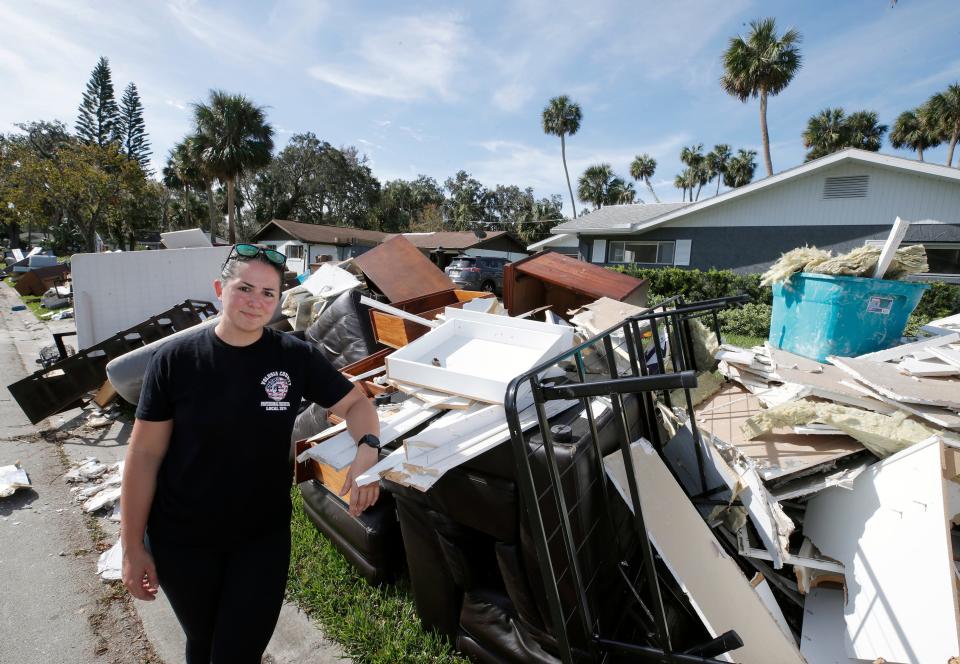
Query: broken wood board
892, 532
776, 454
884, 378
889, 251
434, 398
898, 352
943, 326
400, 271
933, 367
450, 456
948, 354
339, 450
717, 588
933, 414
105, 394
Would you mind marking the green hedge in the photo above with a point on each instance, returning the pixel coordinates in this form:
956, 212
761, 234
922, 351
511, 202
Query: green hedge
939, 300
696, 285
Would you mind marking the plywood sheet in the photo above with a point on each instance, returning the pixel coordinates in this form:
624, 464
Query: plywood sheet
401, 272
892, 534
719, 592
778, 453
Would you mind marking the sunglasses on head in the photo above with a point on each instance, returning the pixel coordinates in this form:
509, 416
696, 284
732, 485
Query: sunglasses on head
251, 251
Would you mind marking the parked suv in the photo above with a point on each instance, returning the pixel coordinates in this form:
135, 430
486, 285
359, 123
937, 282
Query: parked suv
477, 273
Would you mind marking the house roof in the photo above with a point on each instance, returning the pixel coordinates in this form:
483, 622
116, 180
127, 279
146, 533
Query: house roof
848, 155
449, 239
617, 217
562, 240
319, 234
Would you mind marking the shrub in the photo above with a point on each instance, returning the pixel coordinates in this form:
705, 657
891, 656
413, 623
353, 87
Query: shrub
694, 285
750, 320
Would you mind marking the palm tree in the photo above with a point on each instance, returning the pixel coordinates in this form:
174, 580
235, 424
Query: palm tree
763, 64
945, 112
620, 192
643, 167
233, 137
864, 131
680, 182
824, 133
594, 184
741, 169
915, 130
717, 161
181, 173
561, 117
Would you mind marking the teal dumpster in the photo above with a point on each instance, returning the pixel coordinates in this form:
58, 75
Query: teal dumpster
816, 315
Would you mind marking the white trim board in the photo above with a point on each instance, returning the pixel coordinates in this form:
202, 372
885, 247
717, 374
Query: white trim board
718, 590
892, 532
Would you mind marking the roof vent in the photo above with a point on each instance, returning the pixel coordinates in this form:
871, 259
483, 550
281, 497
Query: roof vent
848, 186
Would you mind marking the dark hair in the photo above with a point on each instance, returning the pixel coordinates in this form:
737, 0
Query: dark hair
229, 269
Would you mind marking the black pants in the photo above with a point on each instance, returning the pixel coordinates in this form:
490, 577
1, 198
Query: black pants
227, 599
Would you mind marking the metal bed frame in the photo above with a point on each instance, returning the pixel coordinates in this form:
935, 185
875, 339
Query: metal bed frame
648, 340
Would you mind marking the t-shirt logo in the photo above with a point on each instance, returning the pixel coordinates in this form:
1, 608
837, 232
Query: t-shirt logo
276, 384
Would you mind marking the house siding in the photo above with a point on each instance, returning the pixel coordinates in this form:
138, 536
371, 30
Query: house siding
892, 193
748, 249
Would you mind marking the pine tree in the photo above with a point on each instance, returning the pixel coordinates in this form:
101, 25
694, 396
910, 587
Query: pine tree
97, 122
133, 134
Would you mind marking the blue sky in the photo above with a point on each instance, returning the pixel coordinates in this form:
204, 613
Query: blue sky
431, 88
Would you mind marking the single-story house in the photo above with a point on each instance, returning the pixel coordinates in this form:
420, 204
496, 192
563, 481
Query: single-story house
442, 246
304, 244
838, 202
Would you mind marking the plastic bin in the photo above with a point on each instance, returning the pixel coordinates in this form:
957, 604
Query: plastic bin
816, 315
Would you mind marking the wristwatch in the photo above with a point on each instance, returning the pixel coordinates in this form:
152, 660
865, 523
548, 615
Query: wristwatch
369, 440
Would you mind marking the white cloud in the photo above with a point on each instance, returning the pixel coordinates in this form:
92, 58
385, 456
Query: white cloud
512, 97
223, 34
404, 58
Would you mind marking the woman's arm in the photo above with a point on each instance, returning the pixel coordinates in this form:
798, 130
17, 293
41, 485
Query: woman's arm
148, 445
361, 417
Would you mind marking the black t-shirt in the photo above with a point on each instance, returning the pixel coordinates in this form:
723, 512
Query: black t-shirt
226, 475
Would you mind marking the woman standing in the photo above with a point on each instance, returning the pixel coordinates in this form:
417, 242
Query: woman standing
205, 504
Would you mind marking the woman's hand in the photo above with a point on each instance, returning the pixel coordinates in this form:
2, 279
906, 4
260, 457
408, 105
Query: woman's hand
361, 497
140, 574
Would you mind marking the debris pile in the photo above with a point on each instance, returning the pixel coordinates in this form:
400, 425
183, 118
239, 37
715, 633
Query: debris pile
12, 477
98, 490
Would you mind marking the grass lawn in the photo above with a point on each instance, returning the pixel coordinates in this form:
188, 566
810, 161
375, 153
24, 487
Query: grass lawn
370, 624
742, 340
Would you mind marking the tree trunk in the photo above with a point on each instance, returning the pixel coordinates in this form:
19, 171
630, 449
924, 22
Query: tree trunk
764, 134
14, 235
650, 187
718, 184
563, 153
241, 229
212, 210
699, 187
953, 143
232, 231
920, 152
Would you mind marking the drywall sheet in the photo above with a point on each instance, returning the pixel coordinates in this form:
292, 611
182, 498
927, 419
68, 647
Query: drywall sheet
886, 379
948, 325
822, 639
778, 453
892, 534
719, 592
115, 291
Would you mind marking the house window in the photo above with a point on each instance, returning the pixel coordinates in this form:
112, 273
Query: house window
294, 251
943, 258
642, 252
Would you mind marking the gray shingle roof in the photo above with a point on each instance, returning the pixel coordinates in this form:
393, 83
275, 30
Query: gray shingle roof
617, 216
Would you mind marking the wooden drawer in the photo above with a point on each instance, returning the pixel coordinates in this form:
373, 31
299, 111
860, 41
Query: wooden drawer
398, 332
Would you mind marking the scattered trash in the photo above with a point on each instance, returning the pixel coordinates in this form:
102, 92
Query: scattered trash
12, 478
110, 563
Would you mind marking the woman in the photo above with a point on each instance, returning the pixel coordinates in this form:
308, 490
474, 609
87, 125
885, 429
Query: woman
207, 474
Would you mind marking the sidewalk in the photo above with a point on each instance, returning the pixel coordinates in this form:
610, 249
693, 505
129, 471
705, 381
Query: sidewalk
48, 598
